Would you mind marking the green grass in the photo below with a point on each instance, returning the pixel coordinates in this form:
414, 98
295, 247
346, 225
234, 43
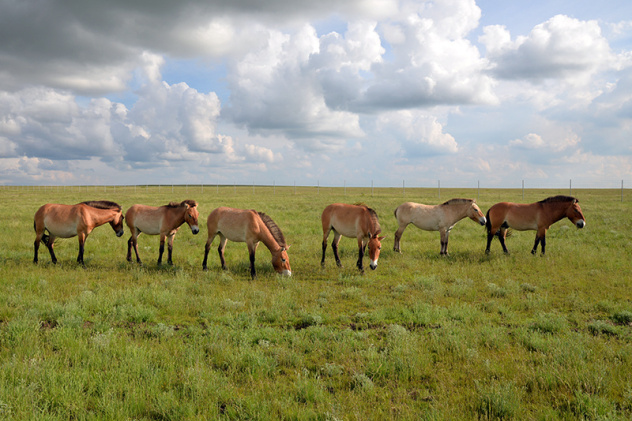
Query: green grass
468, 336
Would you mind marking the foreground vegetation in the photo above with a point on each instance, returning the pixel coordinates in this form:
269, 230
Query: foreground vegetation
467, 336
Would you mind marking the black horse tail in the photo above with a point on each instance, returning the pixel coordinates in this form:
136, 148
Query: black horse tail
488, 224
45, 237
488, 227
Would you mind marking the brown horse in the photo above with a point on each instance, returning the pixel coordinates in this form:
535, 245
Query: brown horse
535, 216
164, 221
353, 221
440, 218
66, 221
250, 227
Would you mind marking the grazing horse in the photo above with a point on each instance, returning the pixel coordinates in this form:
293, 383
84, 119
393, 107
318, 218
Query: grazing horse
250, 227
534, 216
440, 218
353, 221
164, 220
66, 221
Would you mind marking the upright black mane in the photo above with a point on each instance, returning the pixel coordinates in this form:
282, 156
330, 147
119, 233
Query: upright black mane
456, 202
274, 229
191, 203
102, 204
559, 198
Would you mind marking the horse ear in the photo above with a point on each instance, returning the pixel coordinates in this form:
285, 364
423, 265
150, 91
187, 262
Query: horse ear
381, 238
370, 236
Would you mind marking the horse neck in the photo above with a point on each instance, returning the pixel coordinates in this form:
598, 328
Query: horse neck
459, 211
266, 237
558, 210
179, 214
103, 216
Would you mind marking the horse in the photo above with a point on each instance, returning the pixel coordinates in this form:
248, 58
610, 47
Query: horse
250, 227
440, 218
537, 216
66, 221
353, 221
164, 221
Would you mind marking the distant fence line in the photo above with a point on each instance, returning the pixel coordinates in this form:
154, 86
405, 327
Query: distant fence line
570, 187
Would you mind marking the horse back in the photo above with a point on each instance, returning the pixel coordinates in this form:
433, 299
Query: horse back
235, 224
519, 216
59, 220
145, 218
350, 220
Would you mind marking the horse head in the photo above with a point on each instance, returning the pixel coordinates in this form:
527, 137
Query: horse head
374, 245
281, 261
117, 223
574, 213
475, 214
191, 215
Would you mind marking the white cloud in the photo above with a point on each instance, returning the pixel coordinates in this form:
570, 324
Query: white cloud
419, 133
560, 48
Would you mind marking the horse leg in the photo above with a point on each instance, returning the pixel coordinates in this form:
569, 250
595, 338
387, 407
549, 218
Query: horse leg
170, 249
540, 237
490, 237
325, 236
535, 245
251, 251
444, 242
501, 237
334, 247
82, 241
207, 248
135, 244
361, 247
49, 245
161, 249
220, 250
398, 236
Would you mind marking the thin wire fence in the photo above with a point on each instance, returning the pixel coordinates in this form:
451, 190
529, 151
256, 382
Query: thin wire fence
617, 189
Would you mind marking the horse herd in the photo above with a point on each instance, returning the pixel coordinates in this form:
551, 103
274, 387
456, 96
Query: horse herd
249, 226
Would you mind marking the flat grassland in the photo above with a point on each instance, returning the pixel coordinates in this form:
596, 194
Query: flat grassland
468, 336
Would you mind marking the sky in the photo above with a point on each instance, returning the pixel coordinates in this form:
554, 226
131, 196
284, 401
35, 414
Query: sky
296, 92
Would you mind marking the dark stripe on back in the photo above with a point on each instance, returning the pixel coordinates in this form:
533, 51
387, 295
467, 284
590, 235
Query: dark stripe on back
191, 203
457, 201
559, 198
102, 204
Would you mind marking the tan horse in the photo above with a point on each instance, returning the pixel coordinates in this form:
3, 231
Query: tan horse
164, 221
440, 218
250, 227
353, 221
537, 216
66, 221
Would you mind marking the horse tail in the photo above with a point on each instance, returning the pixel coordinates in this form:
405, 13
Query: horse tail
488, 224
45, 237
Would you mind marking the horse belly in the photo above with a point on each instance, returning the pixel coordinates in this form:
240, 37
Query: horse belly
427, 223
148, 226
521, 224
61, 230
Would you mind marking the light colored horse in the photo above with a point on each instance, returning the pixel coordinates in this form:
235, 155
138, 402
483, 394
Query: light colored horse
66, 221
164, 221
537, 216
353, 221
440, 218
250, 227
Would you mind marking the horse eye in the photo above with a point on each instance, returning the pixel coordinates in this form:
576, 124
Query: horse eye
379, 248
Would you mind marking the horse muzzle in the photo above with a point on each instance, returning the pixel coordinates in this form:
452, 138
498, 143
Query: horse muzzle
581, 223
120, 233
286, 273
482, 221
195, 229
373, 265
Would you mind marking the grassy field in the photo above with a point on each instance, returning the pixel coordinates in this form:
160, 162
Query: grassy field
467, 336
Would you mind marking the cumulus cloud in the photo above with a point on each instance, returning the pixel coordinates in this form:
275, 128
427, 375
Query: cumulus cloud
419, 133
561, 47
